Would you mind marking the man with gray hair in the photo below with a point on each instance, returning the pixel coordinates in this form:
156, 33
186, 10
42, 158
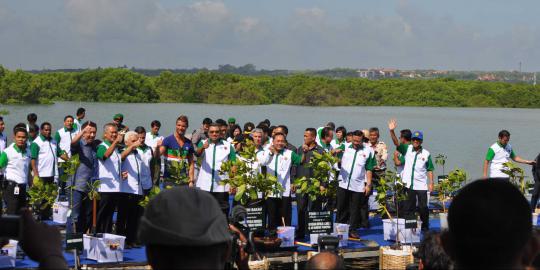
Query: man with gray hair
110, 176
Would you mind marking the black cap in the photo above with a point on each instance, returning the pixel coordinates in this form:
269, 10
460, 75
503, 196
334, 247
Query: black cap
183, 216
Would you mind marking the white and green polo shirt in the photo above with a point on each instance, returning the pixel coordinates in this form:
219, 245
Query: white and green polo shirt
497, 155
417, 164
77, 125
211, 160
109, 168
354, 164
337, 144
45, 152
16, 163
64, 137
280, 165
137, 166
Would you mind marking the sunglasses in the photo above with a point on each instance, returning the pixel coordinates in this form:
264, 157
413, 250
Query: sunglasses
213, 131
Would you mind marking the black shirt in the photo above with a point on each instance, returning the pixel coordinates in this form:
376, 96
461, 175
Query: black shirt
303, 169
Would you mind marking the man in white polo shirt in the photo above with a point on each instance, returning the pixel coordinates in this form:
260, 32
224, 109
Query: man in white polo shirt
279, 164
44, 151
354, 178
500, 153
417, 176
15, 160
109, 175
213, 152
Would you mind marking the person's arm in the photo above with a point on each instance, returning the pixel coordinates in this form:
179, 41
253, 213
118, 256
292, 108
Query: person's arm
78, 136
201, 147
103, 155
489, 156
392, 124
296, 159
397, 160
191, 173
129, 149
518, 159
34, 154
3, 160
232, 154
57, 137
430, 168
268, 157
370, 166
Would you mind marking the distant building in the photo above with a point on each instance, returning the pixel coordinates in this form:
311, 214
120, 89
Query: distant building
378, 73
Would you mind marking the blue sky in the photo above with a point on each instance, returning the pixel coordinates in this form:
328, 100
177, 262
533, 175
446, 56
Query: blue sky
287, 34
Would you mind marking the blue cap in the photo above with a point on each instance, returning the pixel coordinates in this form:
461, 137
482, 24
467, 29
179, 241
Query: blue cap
418, 135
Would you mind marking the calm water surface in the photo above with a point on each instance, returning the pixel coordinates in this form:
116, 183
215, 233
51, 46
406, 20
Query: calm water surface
463, 134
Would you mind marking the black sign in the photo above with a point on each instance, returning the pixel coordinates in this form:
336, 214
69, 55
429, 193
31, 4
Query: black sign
411, 224
319, 222
255, 218
74, 241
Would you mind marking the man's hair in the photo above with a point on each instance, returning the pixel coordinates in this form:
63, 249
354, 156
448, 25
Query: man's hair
432, 253
221, 122
406, 134
350, 133
183, 118
278, 134
312, 131
326, 131
342, 129
284, 128
18, 128
108, 125
249, 126
130, 134
257, 130
261, 124
504, 133
89, 123
489, 225
358, 133
68, 116
325, 261
31, 117
45, 124
155, 123
80, 111
374, 129
1, 119
215, 124
331, 125
271, 129
140, 130
207, 121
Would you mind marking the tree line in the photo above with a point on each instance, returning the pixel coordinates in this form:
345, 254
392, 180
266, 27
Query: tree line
124, 85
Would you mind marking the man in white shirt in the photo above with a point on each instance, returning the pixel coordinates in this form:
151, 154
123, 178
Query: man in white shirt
500, 153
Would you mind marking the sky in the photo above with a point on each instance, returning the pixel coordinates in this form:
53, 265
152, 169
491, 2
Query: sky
271, 34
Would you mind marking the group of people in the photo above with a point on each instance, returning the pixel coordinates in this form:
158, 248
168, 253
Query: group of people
128, 163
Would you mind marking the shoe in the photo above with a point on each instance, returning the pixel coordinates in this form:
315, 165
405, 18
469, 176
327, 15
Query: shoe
354, 235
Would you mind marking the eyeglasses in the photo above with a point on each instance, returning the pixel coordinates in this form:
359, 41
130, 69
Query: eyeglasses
213, 131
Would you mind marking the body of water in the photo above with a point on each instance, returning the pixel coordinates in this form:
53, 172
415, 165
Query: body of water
463, 134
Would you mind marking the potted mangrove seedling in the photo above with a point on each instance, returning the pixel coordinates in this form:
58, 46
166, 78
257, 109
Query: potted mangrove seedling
517, 177
440, 160
446, 191
390, 192
320, 187
243, 177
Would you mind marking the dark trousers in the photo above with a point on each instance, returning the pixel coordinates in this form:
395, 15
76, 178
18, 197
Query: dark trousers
303, 206
420, 196
535, 194
107, 205
351, 208
277, 209
223, 201
129, 213
14, 202
80, 219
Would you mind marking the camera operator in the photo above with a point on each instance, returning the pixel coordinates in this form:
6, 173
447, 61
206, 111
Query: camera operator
184, 228
41, 242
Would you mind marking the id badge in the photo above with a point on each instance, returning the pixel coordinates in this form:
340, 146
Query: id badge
16, 190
